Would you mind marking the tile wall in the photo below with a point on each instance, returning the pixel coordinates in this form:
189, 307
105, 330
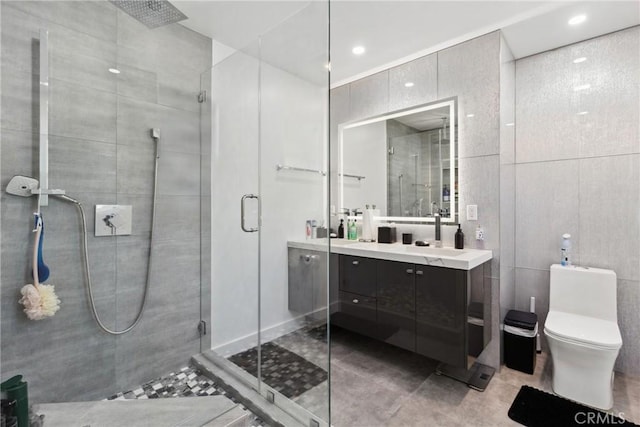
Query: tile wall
101, 153
577, 171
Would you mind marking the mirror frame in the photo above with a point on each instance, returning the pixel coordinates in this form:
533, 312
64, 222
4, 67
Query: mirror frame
452, 103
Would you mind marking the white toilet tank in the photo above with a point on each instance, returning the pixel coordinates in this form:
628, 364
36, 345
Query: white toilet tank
583, 290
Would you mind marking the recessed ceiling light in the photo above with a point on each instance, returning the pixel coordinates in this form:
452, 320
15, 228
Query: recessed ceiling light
358, 50
583, 113
510, 124
408, 84
582, 87
579, 60
471, 115
114, 70
578, 19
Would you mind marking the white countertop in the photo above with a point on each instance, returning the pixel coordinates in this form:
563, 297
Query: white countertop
461, 259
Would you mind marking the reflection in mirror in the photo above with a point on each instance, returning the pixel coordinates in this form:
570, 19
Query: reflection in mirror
402, 164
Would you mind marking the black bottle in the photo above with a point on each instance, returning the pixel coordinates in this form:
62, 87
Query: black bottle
459, 238
341, 229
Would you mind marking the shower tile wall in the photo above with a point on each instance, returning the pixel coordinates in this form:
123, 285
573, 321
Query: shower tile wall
101, 153
579, 173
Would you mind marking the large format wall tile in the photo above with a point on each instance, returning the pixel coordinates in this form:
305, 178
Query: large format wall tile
19, 94
628, 320
423, 73
547, 206
79, 112
479, 184
97, 19
179, 129
584, 177
471, 71
179, 175
77, 165
546, 107
370, 96
101, 152
612, 69
609, 220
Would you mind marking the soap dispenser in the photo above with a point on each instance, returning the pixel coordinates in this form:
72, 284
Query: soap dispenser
341, 229
352, 230
459, 239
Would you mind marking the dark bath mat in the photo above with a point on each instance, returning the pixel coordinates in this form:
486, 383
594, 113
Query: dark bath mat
535, 408
283, 370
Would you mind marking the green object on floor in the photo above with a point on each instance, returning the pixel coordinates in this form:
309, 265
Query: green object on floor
16, 389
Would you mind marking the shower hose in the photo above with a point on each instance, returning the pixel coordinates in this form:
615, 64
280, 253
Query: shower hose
87, 270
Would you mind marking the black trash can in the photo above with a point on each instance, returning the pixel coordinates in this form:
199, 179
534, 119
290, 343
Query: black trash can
520, 334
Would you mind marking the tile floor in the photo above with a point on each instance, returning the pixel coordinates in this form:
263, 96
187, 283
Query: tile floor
374, 384
187, 382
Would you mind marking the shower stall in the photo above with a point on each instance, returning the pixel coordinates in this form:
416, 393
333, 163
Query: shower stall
200, 269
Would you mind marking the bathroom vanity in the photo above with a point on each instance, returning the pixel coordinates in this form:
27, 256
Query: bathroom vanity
431, 301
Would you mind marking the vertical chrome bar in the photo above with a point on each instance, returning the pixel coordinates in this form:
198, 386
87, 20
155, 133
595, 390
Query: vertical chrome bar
44, 116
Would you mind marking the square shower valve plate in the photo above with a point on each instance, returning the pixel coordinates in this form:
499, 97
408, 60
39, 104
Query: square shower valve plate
113, 220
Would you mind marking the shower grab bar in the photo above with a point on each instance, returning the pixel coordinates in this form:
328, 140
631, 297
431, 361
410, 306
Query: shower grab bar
293, 168
358, 177
44, 118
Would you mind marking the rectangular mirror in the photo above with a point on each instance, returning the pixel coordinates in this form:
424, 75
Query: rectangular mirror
405, 163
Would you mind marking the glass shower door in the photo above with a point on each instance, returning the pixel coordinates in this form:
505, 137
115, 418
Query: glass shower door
267, 113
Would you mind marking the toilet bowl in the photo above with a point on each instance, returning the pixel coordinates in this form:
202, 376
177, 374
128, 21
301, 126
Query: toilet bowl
583, 334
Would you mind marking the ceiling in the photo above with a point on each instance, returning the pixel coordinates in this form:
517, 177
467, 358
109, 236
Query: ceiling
293, 33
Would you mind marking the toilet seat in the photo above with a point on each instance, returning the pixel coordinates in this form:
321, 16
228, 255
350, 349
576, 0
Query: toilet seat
583, 330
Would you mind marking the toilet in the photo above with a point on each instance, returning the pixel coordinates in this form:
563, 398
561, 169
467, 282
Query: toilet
583, 334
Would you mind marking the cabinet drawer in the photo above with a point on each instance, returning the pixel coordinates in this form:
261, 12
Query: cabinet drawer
358, 275
357, 313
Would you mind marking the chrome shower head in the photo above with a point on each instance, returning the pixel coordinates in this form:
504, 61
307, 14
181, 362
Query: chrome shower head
152, 13
22, 186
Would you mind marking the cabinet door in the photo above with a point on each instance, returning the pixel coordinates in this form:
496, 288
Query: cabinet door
357, 313
441, 301
396, 297
307, 280
358, 275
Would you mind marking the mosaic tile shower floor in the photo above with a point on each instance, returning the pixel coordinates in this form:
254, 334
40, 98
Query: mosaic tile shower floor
187, 382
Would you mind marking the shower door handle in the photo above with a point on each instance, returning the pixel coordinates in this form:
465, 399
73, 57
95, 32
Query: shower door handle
242, 201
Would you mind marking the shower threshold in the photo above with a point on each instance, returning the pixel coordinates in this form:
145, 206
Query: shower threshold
209, 411
235, 382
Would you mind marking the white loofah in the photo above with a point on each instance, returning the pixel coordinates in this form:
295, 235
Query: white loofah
40, 302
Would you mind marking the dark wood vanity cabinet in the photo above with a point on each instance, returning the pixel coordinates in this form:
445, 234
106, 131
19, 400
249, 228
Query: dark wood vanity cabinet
358, 275
416, 307
421, 308
357, 302
397, 303
441, 314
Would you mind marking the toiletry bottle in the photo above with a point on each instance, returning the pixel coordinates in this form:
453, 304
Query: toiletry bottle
341, 229
565, 249
355, 230
308, 229
314, 229
459, 244
445, 193
351, 230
